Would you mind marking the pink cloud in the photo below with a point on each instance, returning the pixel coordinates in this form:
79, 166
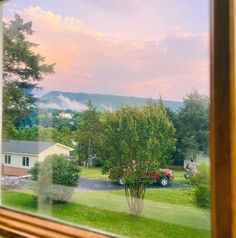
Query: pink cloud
91, 61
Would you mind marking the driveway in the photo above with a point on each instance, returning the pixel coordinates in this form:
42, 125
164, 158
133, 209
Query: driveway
99, 184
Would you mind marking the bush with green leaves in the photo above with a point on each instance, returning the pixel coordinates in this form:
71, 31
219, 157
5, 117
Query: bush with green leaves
200, 187
136, 140
55, 178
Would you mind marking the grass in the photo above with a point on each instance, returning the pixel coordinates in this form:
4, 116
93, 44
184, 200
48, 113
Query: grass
168, 212
170, 209
179, 175
92, 173
178, 196
113, 221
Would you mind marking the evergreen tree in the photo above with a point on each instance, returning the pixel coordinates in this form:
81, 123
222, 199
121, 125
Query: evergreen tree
87, 134
192, 125
22, 70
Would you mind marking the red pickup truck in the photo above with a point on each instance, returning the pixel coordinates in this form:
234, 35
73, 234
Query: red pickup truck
162, 176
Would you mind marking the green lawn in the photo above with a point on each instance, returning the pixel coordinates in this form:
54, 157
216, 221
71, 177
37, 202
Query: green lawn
179, 175
159, 204
92, 173
167, 213
176, 196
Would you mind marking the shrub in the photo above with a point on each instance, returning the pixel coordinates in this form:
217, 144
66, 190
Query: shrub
200, 187
55, 178
136, 140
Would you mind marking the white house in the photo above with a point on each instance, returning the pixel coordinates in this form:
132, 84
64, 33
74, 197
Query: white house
66, 115
19, 156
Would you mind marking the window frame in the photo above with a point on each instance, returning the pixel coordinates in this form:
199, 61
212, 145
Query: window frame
223, 119
25, 161
222, 143
7, 159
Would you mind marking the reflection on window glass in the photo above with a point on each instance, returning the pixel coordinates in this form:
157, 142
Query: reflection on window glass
105, 114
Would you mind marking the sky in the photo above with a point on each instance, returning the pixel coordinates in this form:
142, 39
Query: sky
122, 47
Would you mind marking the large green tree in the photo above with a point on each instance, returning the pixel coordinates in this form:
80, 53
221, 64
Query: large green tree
192, 125
22, 70
136, 140
87, 134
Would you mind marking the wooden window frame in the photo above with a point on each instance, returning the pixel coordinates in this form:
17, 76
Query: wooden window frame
222, 143
222, 119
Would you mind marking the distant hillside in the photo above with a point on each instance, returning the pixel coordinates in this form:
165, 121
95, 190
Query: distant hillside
77, 101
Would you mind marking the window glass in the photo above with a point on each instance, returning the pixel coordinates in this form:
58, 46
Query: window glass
8, 159
105, 114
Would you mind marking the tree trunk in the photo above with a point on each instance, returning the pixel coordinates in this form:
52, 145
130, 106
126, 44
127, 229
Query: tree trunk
89, 151
134, 195
194, 156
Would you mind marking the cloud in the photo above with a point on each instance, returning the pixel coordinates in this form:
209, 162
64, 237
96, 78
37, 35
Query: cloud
93, 62
117, 6
64, 103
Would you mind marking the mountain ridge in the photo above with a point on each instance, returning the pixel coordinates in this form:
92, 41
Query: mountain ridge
65, 100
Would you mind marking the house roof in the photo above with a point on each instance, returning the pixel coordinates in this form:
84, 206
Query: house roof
26, 147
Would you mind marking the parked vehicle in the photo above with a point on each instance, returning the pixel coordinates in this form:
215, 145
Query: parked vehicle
189, 170
162, 177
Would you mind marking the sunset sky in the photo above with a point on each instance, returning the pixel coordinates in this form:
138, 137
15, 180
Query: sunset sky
123, 47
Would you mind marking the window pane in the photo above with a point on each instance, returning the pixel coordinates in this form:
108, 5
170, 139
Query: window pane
105, 114
9, 159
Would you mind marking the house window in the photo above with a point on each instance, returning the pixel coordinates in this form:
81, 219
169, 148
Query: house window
25, 161
7, 159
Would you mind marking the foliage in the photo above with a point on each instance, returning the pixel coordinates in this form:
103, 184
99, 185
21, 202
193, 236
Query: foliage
177, 155
22, 69
136, 140
56, 176
192, 125
53, 118
200, 186
35, 133
87, 134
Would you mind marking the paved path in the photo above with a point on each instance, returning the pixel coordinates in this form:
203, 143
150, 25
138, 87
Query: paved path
99, 184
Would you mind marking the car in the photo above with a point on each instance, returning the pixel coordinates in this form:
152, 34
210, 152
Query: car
161, 176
